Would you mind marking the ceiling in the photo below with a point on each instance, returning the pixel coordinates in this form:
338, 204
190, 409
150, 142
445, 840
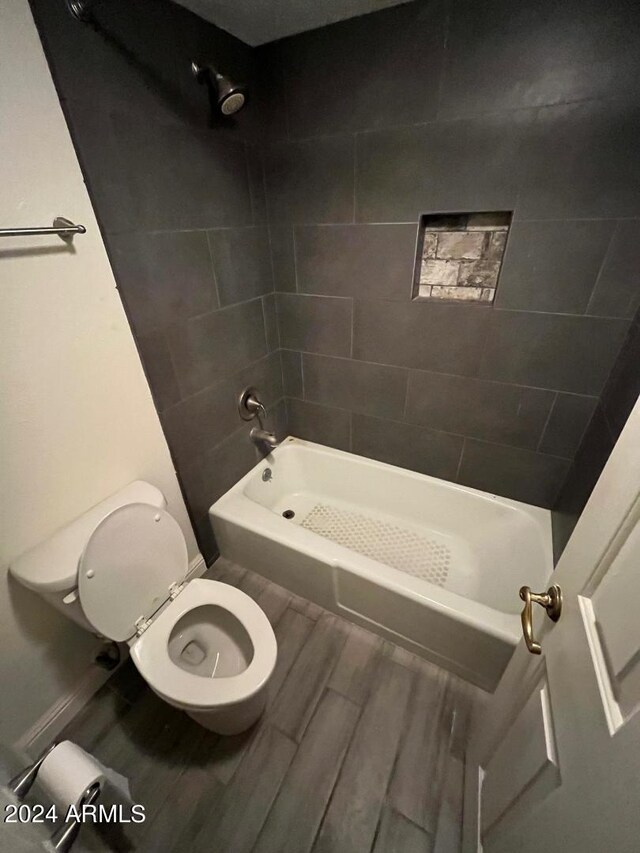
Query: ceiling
259, 21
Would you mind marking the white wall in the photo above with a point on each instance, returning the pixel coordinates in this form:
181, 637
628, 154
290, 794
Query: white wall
77, 421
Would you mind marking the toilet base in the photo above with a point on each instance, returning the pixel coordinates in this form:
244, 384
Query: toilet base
232, 719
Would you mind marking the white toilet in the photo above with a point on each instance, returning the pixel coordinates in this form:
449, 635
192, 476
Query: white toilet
120, 570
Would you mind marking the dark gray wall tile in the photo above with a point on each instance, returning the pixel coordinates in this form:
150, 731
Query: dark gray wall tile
201, 421
332, 84
495, 54
151, 163
552, 266
257, 187
266, 376
552, 351
575, 163
617, 291
206, 348
163, 175
158, 368
283, 258
89, 58
213, 190
277, 419
462, 166
523, 475
291, 373
623, 386
311, 181
493, 411
319, 324
591, 458
321, 424
567, 424
368, 261
271, 330
406, 445
228, 462
196, 491
107, 180
370, 389
242, 263
562, 526
447, 338
163, 277
616, 401
268, 94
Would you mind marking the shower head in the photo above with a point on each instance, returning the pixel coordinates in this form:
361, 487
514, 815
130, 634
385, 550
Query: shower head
230, 96
80, 9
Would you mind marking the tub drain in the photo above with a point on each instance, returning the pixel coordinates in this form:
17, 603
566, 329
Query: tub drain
288, 513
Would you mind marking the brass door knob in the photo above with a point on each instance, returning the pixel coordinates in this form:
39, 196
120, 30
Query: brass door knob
551, 600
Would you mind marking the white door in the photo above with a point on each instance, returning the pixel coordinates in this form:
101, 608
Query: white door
554, 758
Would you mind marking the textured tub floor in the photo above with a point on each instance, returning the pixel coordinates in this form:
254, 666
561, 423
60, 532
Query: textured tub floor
361, 748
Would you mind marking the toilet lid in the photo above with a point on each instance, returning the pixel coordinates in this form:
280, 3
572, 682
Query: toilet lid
125, 571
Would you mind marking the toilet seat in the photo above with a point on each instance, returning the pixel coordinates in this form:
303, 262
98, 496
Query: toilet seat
150, 652
131, 581
131, 563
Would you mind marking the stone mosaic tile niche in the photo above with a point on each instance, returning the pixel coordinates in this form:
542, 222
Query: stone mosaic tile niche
460, 256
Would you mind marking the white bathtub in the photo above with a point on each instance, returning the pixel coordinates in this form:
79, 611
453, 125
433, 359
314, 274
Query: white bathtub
431, 565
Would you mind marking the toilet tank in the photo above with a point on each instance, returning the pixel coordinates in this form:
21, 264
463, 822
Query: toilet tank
51, 567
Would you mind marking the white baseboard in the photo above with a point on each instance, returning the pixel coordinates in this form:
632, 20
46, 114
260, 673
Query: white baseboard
53, 721
197, 567
69, 705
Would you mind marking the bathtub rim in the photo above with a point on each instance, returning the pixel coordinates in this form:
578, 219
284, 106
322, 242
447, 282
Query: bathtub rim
235, 507
540, 516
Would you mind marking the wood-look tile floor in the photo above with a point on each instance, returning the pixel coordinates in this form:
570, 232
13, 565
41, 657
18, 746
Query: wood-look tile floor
361, 748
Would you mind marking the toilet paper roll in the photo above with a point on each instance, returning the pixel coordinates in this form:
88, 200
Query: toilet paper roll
68, 771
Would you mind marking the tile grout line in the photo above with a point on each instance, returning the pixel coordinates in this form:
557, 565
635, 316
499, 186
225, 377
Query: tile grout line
355, 175
426, 370
348, 224
249, 182
466, 117
432, 429
338, 774
444, 65
219, 382
546, 423
294, 244
462, 449
603, 263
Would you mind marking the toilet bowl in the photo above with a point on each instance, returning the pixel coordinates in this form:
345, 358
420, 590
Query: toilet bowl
201, 645
210, 652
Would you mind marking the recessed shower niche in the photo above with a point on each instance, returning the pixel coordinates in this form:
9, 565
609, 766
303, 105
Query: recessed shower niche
460, 256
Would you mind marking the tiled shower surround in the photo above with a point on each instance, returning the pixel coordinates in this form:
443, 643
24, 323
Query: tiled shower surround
459, 257
280, 250
183, 215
